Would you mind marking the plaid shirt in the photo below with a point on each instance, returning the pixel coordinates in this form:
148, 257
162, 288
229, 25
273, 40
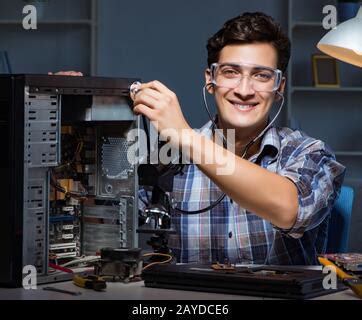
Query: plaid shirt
228, 231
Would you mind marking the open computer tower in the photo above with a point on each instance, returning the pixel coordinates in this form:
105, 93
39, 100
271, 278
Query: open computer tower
68, 188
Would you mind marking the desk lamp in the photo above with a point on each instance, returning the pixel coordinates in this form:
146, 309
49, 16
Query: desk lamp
345, 41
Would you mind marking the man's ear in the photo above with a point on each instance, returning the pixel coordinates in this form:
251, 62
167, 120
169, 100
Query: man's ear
208, 84
281, 88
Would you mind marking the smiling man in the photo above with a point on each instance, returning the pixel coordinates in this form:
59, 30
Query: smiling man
284, 183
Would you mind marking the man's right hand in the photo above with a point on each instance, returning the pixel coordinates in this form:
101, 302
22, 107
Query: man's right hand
66, 73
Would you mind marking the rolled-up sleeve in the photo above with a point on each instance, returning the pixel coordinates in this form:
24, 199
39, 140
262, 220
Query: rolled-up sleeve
318, 177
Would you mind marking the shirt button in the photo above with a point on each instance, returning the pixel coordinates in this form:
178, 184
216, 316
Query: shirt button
230, 234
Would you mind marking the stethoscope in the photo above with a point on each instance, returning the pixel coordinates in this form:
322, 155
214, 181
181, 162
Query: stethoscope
249, 144
135, 87
246, 148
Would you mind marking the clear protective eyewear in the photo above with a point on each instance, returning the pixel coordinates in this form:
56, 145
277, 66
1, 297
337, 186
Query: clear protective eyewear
261, 78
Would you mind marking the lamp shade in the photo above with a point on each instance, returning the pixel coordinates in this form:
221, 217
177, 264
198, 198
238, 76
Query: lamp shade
345, 41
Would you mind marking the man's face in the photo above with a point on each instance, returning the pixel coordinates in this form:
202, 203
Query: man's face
243, 107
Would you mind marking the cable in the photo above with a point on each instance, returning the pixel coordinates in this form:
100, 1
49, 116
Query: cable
81, 260
214, 204
60, 268
71, 193
145, 126
246, 148
211, 206
209, 114
157, 262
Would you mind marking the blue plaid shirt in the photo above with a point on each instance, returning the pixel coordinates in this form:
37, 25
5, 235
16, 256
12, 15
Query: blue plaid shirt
229, 231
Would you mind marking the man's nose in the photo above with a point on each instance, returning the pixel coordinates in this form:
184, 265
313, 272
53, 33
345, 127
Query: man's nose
245, 86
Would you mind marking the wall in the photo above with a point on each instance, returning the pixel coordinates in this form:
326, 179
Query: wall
61, 41
165, 40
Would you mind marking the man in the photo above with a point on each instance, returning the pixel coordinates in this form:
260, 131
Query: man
284, 183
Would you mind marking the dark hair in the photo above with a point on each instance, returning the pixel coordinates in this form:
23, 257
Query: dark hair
250, 28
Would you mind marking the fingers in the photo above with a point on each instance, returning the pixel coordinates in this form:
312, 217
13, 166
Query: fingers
154, 99
154, 88
160, 105
66, 73
149, 97
158, 86
155, 93
143, 109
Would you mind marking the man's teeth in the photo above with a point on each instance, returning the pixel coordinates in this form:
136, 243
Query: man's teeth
244, 106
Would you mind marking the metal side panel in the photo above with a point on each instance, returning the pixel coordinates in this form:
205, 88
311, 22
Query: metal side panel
41, 151
42, 130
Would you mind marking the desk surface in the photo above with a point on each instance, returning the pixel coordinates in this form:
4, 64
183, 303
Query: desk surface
135, 291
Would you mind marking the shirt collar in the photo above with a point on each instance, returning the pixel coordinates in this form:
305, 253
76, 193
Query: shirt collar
270, 144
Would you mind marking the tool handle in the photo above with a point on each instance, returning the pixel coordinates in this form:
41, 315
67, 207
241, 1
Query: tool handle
340, 273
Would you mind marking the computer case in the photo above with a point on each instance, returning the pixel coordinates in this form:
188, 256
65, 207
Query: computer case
67, 187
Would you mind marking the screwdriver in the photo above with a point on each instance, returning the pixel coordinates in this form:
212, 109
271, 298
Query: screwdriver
73, 293
351, 281
90, 282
